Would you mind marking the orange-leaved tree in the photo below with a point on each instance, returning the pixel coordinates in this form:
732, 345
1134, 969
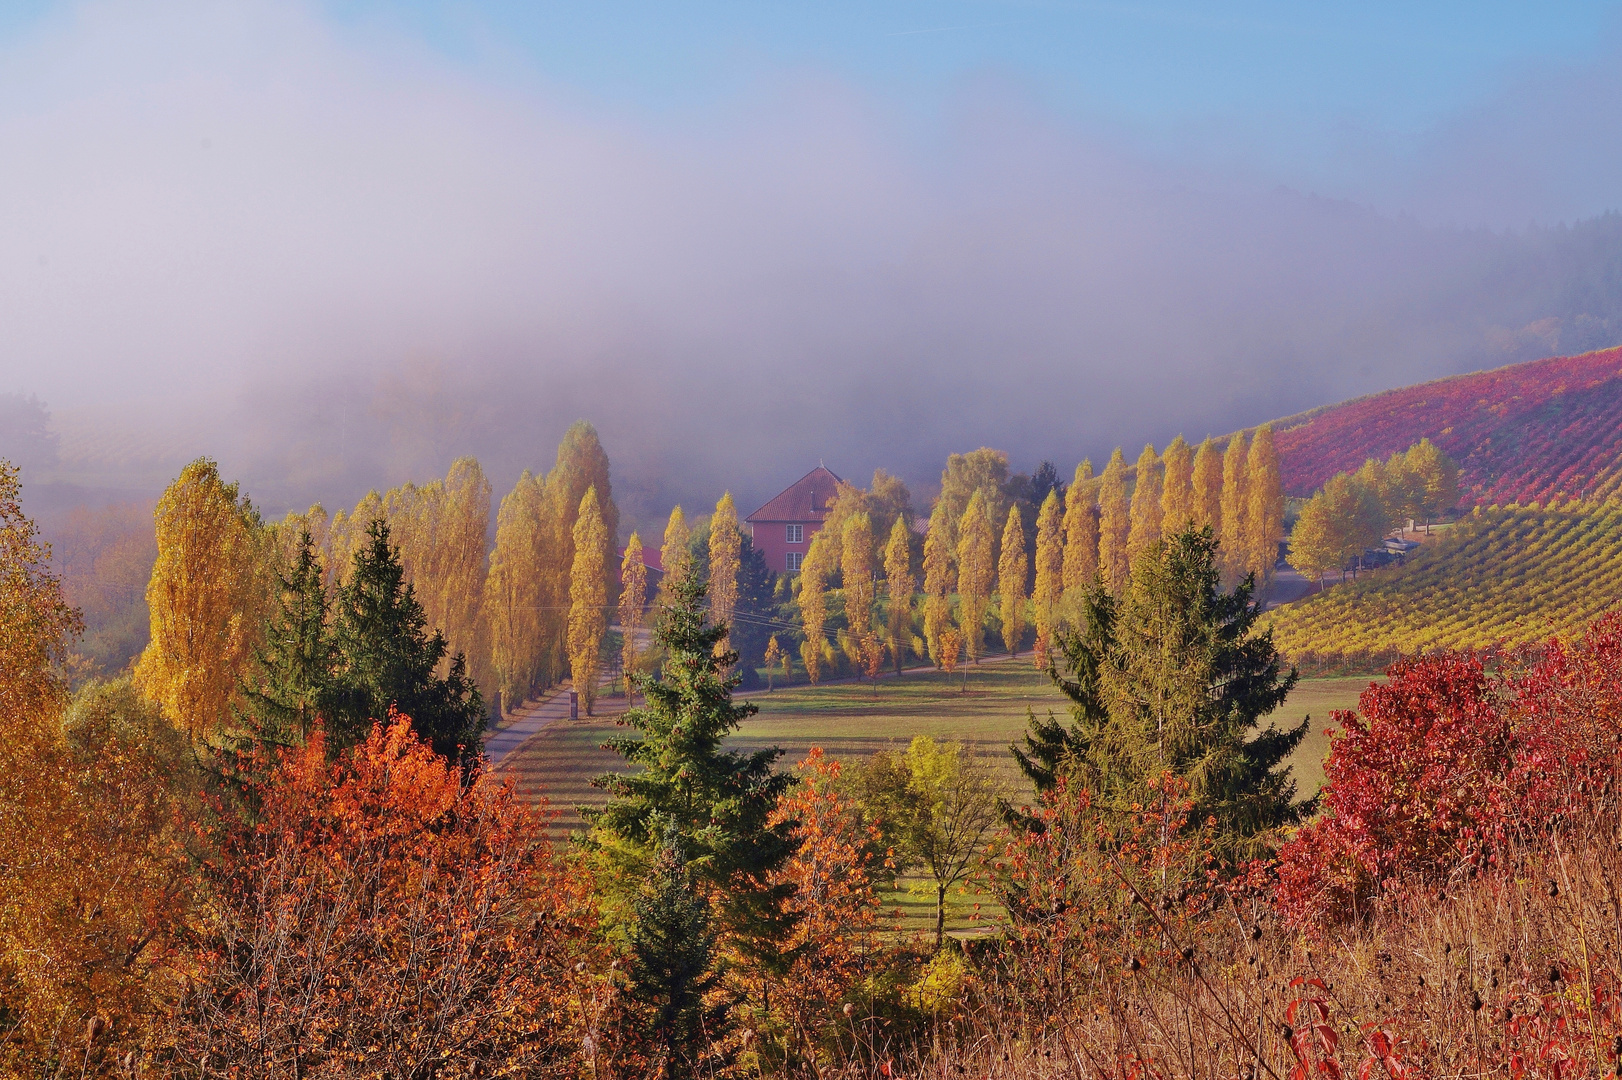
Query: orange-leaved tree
384, 915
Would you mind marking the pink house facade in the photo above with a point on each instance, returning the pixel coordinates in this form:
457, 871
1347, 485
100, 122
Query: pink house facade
782, 529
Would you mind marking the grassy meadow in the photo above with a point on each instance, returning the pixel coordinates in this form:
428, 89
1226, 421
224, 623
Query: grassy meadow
852, 720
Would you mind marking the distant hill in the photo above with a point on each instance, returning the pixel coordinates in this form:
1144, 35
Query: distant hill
1525, 433
1501, 576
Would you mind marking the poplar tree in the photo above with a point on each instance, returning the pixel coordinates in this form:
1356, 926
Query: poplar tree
1438, 477
1011, 574
674, 555
976, 567
938, 581
588, 598
818, 563
1171, 675
1264, 517
1145, 511
1177, 487
726, 550
633, 602
856, 571
1235, 502
512, 592
1080, 531
298, 658
1206, 500
900, 586
1049, 585
208, 596
1114, 524
460, 566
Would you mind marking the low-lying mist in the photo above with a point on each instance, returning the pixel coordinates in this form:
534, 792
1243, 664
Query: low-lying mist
334, 263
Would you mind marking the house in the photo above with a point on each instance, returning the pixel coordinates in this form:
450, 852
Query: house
782, 529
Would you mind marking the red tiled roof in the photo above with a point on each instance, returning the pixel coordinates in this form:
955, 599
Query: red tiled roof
804, 500
650, 559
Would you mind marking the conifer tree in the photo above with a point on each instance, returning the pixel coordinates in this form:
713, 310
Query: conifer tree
387, 658
1145, 511
1011, 574
813, 597
588, 599
513, 592
633, 602
856, 571
1235, 504
1049, 585
674, 556
1177, 487
939, 581
1264, 517
209, 593
1080, 531
1171, 676
297, 661
1114, 524
900, 586
976, 570
716, 802
1206, 499
726, 550
673, 964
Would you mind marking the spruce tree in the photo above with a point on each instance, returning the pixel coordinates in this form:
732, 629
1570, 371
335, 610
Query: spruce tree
297, 661
386, 657
673, 962
1171, 676
717, 801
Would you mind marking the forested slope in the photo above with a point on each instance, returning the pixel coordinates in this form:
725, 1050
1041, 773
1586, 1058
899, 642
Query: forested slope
1502, 576
1523, 433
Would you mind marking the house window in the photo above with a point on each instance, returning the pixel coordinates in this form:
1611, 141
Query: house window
796, 535
794, 558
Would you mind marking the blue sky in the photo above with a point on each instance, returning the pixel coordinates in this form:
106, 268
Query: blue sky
1399, 67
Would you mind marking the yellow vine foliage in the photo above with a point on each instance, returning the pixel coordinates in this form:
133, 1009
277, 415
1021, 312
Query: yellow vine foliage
588, 598
1114, 524
1012, 571
976, 565
1235, 504
726, 553
1177, 486
209, 593
1145, 512
1049, 584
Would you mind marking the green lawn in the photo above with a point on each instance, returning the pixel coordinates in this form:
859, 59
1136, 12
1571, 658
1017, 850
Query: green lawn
855, 719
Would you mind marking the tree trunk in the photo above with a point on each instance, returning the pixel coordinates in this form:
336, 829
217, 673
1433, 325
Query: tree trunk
940, 915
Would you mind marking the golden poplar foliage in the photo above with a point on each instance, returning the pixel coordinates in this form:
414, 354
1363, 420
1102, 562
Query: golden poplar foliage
1114, 524
581, 465
285, 535
900, 585
818, 563
348, 533
1145, 513
976, 567
939, 581
726, 554
1177, 487
208, 597
633, 604
588, 598
856, 570
984, 470
1049, 585
1235, 503
675, 555
1264, 518
1012, 570
1081, 530
1207, 485
512, 592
